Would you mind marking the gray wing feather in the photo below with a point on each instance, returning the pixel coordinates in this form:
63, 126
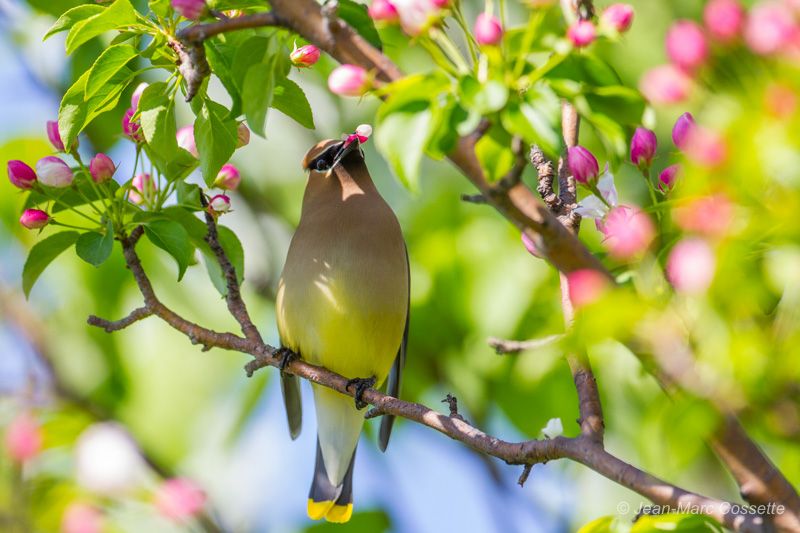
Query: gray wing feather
395, 375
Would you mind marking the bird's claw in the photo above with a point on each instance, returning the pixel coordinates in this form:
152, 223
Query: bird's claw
285, 355
361, 385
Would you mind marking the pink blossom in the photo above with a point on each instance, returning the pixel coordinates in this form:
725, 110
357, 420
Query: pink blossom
586, 286
54, 135
770, 28
582, 165
383, 11
681, 129
228, 177
53, 172
23, 436
190, 9
137, 95
130, 127
349, 80
691, 265
185, 138
416, 16
665, 84
488, 31
143, 189
724, 19
21, 175
531, 246
668, 177
34, 219
101, 168
179, 498
582, 33
220, 203
706, 147
708, 215
81, 518
628, 232
305, 56
619, 17
686, 45
643, 147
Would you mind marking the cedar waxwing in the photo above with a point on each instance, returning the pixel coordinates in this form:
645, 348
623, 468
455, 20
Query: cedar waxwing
342, 303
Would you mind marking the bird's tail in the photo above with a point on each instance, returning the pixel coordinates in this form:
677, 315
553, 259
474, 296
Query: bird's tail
334, 503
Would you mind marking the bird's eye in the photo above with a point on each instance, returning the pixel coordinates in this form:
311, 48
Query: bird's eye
321, 164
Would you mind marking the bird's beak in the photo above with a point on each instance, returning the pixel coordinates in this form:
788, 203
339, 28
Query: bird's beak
347, 147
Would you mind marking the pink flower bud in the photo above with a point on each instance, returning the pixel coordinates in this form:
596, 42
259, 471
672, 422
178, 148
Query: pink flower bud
137, 95
101, 167
628, 232
416, 16
131, 128
643, 147
81, 518
242, 136
23, 436
190, 9
709, 215
582, 33
665, 84
668, 177
770, 28
143, 189
53, 172
531, 247
179, 498
220, 203
34, 219
21, 175
185, 138
681, 129
305, 56
228, 177
724, 19
686, 45
586, 286
488, 31
691, 265
582, 165
383, 11
619, 17
54, 135
706, 147
349, 80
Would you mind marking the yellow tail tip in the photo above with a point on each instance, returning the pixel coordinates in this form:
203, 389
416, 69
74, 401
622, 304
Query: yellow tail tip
340, 514
317, 510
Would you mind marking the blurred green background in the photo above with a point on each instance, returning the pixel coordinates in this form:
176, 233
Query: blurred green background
196, 415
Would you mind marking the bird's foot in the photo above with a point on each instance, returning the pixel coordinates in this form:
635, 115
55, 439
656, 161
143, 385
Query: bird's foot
286, 355
361, 385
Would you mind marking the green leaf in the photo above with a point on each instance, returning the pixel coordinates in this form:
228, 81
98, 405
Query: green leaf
117, 15
42, 254
357, 17
484, 99
220, 53
157, 112
254, 51
494, 153
75, 113
585, 68
401, 136
532, 125
682, 523
216, 138
622, 104
173, 239
72, 17
235, 253
289, 99
108, 65
599, 525
257, 89
161, 8
94, 247
188, 195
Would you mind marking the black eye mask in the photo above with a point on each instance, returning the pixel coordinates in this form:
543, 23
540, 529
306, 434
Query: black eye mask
326, 160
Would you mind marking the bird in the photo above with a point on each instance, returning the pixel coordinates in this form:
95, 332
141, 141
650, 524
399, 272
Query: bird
342, 303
